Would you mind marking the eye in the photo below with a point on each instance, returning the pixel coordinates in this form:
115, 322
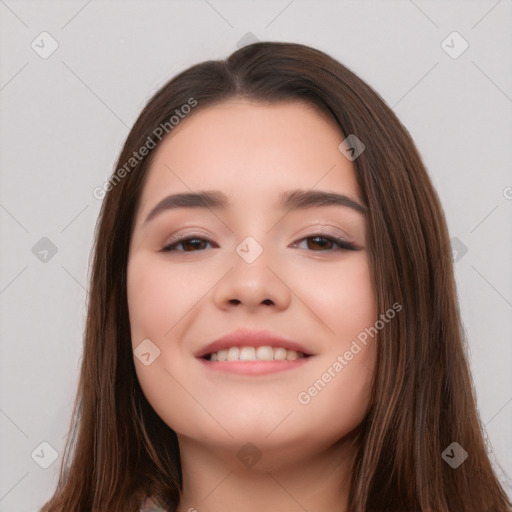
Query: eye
189, 244
325, 243
318, 243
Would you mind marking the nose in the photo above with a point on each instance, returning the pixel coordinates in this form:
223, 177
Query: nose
248, 285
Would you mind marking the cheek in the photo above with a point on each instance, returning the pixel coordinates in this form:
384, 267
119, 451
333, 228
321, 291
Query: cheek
157, 298
342, 296
334, 403
337, 394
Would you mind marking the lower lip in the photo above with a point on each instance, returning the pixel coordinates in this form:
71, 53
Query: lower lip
253, 367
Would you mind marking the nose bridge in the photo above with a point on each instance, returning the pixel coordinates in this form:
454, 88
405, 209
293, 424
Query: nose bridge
254, 278
253, 232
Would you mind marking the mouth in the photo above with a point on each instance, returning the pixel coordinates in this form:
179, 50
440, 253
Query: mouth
253, 366
253, 353
248, 354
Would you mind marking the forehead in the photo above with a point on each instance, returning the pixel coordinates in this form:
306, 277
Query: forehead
250, 151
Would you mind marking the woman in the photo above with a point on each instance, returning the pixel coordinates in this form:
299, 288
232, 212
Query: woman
273, 320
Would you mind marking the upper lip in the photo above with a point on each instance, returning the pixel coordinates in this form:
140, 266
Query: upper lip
251, 338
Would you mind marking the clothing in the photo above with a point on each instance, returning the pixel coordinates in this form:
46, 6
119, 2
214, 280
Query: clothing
148, 505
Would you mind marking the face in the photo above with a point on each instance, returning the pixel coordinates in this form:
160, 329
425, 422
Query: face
197, 273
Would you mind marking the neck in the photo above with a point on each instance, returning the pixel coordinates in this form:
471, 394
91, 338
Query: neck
282, 480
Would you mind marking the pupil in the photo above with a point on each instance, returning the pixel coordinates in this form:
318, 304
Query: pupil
192, 242
322, 244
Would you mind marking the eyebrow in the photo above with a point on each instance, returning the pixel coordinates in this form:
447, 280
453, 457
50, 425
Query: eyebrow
290, 200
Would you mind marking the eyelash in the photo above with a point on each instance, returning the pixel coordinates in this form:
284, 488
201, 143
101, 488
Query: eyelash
343, 245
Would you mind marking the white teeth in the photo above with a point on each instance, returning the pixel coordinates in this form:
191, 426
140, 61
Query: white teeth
291, 355
247, 354
265, 353
233, 354
280, 353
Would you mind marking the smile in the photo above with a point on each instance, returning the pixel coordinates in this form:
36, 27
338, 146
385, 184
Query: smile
254, 361
264, 353
250, 352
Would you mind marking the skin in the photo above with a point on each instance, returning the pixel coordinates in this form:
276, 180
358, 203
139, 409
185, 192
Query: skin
312, 293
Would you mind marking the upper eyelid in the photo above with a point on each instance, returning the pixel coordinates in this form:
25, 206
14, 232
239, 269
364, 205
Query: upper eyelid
315, 228
323, 229
182, 237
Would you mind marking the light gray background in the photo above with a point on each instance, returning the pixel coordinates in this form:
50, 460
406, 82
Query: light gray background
64, 119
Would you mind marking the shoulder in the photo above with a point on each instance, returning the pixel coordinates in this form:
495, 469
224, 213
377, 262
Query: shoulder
148, 505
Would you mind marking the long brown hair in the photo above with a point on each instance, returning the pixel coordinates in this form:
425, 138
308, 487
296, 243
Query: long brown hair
422, 397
